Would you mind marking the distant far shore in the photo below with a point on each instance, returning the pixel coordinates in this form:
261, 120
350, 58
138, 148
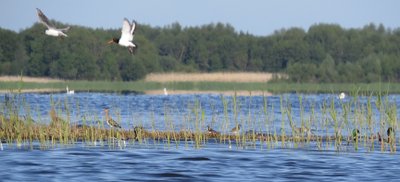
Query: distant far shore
29, 79
230, 93
227, 83
213, 77
173, 77
158, 92
47, 85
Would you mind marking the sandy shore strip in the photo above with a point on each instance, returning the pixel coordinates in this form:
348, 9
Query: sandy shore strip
238, 92
28, 79
155, 92
41, 90
211, 77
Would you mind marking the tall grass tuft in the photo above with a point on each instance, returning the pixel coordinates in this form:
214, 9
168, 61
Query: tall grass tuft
296, 123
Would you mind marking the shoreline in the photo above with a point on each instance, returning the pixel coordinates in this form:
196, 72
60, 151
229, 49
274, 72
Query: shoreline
230, 93
39, 90
154, 92
262, 77
29, 79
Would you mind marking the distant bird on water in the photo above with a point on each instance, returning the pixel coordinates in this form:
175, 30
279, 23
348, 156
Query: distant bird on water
70, 91
127, 33
110, 121
51, 29
165, 91
342, 96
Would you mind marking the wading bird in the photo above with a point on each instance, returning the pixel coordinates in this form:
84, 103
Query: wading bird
138, 131
127, 33
110, 121
390, 133
51, 29
56, 121
211, 131
301, 130
235, 130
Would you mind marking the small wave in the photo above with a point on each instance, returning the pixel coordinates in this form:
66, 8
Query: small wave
194, 159
84, 153
172, 175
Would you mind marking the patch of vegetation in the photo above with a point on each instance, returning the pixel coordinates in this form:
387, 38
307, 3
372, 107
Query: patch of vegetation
325, 53
353, 125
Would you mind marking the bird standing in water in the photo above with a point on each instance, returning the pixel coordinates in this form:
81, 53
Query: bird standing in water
390, 133
211, 131
235, 130
302, 130
110, 121
56, 121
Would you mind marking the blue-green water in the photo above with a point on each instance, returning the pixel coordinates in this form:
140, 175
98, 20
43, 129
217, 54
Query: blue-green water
214, 161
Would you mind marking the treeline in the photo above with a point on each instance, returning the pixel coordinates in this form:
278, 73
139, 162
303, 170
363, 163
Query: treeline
324, 53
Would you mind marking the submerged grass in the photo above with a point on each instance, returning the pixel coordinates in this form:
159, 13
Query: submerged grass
340, 125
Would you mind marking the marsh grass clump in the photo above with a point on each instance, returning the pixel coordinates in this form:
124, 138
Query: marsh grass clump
345, 124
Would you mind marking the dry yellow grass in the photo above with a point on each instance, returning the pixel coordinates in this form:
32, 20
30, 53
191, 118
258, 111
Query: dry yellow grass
28, 79
32, 90
210, 77
172, 77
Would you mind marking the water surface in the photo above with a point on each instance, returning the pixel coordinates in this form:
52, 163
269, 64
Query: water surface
182, 162
214, 163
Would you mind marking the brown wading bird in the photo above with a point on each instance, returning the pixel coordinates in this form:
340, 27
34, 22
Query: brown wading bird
301, 130
138, 131
236, 129
29, 119
110, 121
211, 131
390, 133
55, 120
127, 33
51, 29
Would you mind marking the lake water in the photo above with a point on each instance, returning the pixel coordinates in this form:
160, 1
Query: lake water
214, 161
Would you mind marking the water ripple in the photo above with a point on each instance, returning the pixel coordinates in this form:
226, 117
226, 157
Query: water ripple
214, 162
194, 159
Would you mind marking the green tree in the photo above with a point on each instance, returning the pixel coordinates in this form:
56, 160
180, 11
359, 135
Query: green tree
328, 52
327, 70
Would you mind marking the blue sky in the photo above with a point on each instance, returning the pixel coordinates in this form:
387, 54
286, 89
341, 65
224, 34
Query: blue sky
259, 17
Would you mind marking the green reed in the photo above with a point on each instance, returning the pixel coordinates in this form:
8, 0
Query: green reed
337, 126
258, 127
288, 112
283, 133
266, 122
225, 124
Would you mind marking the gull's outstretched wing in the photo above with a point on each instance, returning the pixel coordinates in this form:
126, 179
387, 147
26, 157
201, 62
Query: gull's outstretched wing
64, 29
43, 19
